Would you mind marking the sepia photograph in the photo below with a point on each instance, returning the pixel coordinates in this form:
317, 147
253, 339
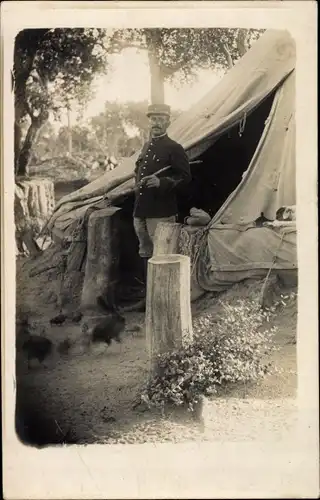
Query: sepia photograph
155, 230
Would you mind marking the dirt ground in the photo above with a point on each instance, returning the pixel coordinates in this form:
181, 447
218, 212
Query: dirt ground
93, 394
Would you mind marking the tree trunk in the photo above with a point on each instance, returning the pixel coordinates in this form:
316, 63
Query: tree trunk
241, 41
156, 79
32, 134
102, 257
69, 133
22, 70
17, 145
168, 308
225, 50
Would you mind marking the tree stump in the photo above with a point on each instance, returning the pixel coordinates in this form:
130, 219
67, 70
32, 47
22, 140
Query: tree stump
71, 290
102, 257
168, 307
167, 240
33, 204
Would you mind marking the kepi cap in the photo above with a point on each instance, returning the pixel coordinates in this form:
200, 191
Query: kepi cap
158, 109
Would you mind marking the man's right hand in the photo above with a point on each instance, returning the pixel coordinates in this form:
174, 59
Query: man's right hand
152, 181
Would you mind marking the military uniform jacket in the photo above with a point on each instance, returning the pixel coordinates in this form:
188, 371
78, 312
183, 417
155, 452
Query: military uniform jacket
156, 154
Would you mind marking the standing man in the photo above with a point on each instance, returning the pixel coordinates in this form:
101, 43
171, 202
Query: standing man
156, 196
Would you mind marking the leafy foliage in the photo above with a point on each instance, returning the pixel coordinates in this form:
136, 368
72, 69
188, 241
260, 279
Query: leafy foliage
51, 68
119, 130
60, 63
180, 52
227, 350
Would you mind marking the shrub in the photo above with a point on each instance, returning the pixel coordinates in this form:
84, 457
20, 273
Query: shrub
228, 349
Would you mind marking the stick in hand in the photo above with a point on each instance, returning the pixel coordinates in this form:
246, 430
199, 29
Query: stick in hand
148, 176
160, 172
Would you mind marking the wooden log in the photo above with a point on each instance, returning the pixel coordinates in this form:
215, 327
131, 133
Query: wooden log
78, 248
71, 289
33, 204
101, 268
168, 307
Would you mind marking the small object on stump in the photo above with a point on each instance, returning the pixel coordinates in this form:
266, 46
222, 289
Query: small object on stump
168, 307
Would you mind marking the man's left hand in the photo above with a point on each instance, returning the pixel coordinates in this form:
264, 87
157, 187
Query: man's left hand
152, 182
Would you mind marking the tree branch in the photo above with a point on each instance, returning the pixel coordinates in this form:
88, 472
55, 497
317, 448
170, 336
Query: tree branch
43, 80
225, 50
170, 70
29, 109
127, 45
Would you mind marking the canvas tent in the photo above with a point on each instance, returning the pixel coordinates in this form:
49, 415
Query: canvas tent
243, 133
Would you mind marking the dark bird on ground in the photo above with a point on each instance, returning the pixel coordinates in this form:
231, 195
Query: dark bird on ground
261, 220
108, 328
37, 347
58, 320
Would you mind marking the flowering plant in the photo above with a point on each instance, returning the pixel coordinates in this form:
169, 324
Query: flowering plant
227, 349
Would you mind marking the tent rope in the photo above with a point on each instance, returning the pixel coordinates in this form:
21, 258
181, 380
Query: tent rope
263, 289
242, 124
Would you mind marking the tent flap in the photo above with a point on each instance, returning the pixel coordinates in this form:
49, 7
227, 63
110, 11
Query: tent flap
232, 255
270, 180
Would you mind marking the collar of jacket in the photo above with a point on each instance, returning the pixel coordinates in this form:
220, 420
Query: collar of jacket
156, 139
